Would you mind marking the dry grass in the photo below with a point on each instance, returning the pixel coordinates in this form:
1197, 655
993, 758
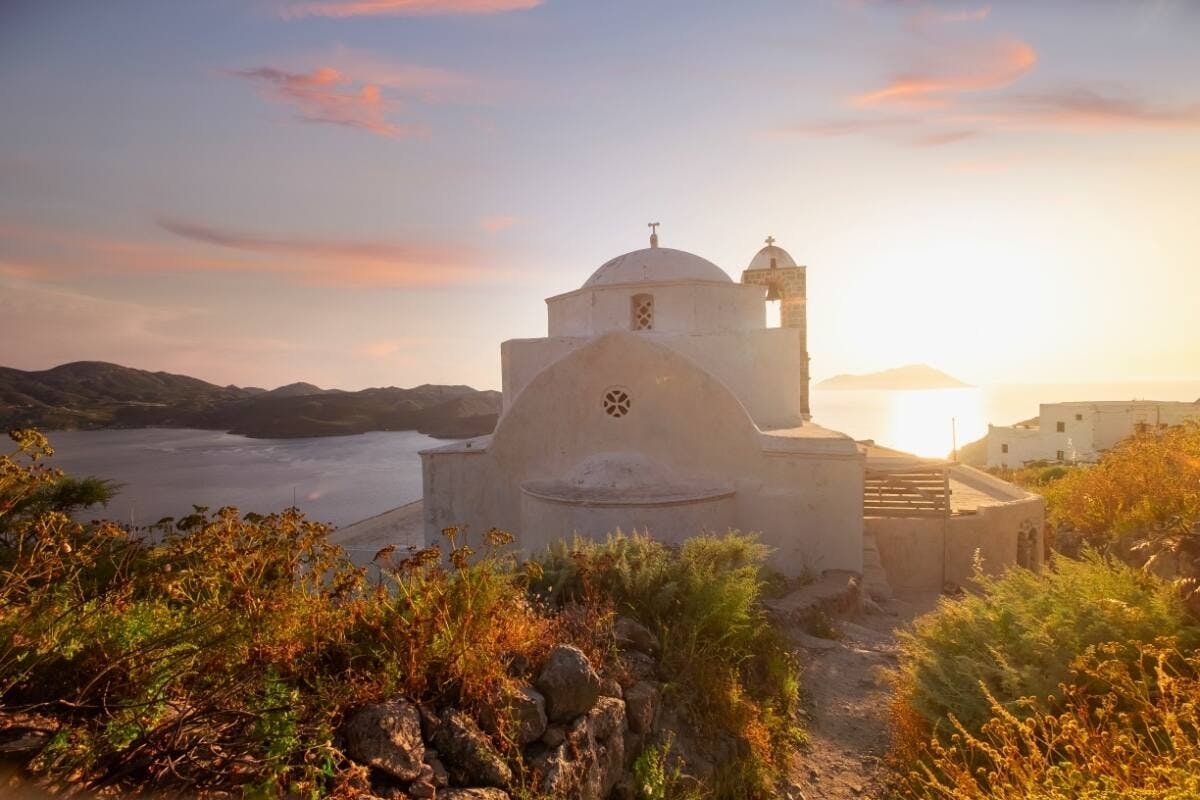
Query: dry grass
225, 657
1126, 725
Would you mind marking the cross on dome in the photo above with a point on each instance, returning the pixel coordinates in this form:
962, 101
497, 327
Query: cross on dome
770, 240
653, 226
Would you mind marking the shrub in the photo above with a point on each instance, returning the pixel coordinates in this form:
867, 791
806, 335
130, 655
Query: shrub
1146, 482
732, 669
656, 778
1018, 637
1126, 725
224, 657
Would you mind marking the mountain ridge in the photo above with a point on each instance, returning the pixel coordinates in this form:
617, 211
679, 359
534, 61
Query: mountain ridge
89, 395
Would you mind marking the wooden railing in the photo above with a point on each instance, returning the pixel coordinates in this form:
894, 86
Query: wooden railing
916, 492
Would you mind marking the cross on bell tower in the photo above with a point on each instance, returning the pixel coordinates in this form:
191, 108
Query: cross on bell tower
770, 240
653, 226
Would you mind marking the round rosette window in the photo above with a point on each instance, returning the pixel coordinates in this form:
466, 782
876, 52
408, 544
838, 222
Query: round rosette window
616, 402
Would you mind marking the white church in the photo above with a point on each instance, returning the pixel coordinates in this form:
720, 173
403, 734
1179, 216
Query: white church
660, 400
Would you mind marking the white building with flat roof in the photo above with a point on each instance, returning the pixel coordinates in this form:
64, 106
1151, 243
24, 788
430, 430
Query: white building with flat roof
1080, 432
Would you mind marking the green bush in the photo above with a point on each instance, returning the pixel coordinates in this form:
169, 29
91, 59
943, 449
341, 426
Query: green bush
225, 657
1126, 725
1019, 635
730, 668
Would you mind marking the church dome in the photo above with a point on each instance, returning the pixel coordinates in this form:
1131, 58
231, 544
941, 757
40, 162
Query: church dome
656, 264
772, 256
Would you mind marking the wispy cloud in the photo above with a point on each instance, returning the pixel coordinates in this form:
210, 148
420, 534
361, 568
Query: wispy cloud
327, 95
991, 68
362, 263
960, 84
943, 137
929, 16
51, 255
843, 126
1083, 108
414, 8
499, 222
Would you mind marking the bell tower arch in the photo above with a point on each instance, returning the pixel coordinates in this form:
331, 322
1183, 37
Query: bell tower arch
775, 268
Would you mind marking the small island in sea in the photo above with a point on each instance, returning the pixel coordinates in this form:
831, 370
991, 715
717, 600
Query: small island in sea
911, 376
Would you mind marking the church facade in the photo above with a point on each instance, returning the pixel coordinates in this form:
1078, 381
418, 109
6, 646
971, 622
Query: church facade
660, 400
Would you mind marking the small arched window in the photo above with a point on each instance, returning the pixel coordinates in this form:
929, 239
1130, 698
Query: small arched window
641, 312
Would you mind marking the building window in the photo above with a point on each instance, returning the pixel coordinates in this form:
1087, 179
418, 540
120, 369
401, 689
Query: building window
1060, 455
1061, 427
1079, 417
641, 312
616, 402
1004, 448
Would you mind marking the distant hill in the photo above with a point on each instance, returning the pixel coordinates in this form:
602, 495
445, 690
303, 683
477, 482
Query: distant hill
300, 389
94, 394
913, 376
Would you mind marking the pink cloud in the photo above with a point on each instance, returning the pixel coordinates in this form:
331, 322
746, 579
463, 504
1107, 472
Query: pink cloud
944, 137
1083, 108
499, 222
993, 68
415, 8
348, 262
930, 16
53, 255
329, 96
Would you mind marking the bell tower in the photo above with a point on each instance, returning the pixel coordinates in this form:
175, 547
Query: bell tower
774, 268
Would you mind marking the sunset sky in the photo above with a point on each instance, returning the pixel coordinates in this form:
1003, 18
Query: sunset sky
378, 192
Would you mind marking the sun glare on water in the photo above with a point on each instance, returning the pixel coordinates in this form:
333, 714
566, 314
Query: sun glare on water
925, 422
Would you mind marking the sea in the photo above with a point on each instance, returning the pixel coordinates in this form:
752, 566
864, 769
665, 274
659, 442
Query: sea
343, 479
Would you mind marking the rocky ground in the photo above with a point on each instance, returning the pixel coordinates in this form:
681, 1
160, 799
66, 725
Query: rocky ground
577, 731
580, 731
848, 698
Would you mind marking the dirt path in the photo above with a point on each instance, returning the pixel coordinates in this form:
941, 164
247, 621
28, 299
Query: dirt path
848, 704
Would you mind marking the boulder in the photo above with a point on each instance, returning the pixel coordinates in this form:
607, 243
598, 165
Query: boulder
633, 635
387, 736
568, 682
468, 753
610, 763
525, 714
638, 665
429, 721
554, 736
642, 701
609, 687
591, 759
473, 793
21, 740
441, 778
607, 717
424, 786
